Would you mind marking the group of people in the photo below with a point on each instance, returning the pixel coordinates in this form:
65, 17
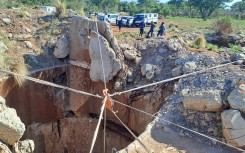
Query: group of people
150, 33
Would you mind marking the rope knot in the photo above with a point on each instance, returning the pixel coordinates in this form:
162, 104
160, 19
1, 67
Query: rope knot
109, 103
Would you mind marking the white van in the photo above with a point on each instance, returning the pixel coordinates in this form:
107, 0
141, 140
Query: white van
111, 18
146, 17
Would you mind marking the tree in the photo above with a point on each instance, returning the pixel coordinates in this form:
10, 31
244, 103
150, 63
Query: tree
165, 10
147, 5
109, 5
207, 7
175, 5
239, 6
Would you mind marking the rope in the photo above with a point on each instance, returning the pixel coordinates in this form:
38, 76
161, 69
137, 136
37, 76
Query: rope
98, 125
105, 131
141, 143
101, 58
171, 79
51, 84
182, 127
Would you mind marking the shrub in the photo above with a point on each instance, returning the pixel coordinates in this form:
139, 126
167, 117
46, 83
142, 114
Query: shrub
235, 48
199, 42
223, 25
60, 9
212, 47
21, 69
22, 14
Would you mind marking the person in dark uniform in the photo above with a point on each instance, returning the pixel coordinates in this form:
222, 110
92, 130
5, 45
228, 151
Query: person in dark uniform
142, 27
127, 23
161, 29
151, 29
119, 24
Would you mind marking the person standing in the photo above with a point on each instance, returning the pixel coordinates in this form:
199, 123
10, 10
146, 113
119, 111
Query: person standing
151, 29
161, 29
127, 23
142, 27
120, 25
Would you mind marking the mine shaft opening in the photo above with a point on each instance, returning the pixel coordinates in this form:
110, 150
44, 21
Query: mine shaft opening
55, 128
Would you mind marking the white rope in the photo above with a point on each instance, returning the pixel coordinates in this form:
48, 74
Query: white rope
171, 79
101, 58
105, 131
141, 143
50, 84
182, 127
98, 125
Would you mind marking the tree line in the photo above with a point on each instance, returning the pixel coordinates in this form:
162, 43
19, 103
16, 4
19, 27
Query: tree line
192, 8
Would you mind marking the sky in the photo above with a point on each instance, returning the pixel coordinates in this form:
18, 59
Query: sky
164, 1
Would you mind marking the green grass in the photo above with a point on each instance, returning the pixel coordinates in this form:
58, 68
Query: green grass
235, 48
187, 23
212, 47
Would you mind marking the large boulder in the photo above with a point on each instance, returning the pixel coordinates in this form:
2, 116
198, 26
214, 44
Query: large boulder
4, 148
233, 127
111, 64
147, 70
61, 49
207, 101
11, 127
237, 98
6, 20
26, 146
189, 67
130, 54
177, 71
237, 56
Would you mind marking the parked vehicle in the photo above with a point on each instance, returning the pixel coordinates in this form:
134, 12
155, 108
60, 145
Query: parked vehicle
125, 18
101, 16
146, 17
112, 18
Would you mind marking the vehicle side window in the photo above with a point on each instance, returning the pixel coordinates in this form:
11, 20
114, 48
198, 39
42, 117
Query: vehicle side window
155, 15
150, 15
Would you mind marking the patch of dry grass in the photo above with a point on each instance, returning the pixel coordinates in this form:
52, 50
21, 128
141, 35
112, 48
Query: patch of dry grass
21, 69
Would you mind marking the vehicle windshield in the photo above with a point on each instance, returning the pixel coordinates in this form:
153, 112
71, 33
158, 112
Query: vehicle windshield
139, 16
113, 16
124, 17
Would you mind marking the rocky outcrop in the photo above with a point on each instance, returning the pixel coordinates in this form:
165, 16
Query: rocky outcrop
208, 101
233, 127
11, 127
237, 98
111, 64
61, 49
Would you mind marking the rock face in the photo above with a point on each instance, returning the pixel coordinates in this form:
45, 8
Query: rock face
111, 63
11, 127
233, 127
237, 98
209, 101
61, 50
